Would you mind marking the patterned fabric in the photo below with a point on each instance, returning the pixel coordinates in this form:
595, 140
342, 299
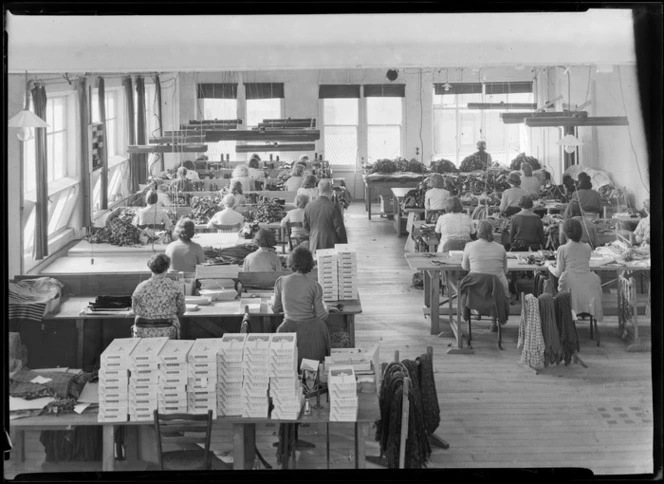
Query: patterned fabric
171, 332
429, 396
531, 340
553, 353
569, 338
158, 298
62, 385
28, 299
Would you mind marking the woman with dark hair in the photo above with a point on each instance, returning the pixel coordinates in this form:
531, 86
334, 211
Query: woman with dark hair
589, 234
510, 199
158, 302
486, 256
573, 270
265, 259
181, 182
151, 218
436, 195
300, 297
527, 230
236, 191
184, 253
254, 166
309, 188
454, 224
241, 174
529, 183
297, 216
295, 180
589, 199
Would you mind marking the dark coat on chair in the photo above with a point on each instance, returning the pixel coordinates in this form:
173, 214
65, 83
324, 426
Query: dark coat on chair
485, 294
325, 223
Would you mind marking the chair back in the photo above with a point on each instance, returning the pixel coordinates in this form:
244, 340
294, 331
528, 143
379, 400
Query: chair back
454, 244
431, 216
259, 280
227, 229
172, 427
475, 292
293, 241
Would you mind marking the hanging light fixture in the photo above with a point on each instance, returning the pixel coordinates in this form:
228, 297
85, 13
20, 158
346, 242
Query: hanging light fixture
569, 143
447, 86
26, 120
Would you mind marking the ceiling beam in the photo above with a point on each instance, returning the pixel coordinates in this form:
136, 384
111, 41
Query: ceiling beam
555, 122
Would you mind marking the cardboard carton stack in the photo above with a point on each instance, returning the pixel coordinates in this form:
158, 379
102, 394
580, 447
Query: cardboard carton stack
343, 393
285, 387
328, 273
364, 361
172, 387
144, 380
347, 272
114, 380
202, 376
229, 374
255, 377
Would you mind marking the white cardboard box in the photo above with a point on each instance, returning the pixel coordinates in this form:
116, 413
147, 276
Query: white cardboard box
204, 350
118, 351
175, 351
147, 350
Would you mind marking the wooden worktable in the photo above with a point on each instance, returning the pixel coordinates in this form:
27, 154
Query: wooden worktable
392, 180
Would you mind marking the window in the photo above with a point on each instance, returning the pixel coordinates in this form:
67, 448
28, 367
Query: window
112, 130
340, 131
151, 111
457, 128
384, 119
260, 109
210, 108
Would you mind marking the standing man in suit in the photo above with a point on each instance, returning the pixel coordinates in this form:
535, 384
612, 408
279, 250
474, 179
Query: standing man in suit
324, 220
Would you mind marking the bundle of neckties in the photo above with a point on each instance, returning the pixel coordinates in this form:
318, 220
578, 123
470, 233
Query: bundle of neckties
110, 303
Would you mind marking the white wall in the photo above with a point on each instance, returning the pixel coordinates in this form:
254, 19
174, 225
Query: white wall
15, 96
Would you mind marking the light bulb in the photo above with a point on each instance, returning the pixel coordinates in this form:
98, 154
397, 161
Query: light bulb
25, 134
569, 149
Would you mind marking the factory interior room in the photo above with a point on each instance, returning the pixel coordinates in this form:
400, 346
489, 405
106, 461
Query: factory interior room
463, 199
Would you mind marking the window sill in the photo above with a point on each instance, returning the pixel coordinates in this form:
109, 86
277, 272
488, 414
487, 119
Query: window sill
55, 244
54, 187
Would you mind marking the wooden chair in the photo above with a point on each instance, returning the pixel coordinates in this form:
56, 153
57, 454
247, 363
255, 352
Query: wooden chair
463, 301
227, 229
173, 427
294, 241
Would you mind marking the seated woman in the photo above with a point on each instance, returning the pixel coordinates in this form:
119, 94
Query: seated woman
236, 191
265, 259
163, 200
527, 230
588, 199
300, 297
509, 203
642, 231
436, 195
569, 185
297, 216
486, 256
158, 302
573, 270
309, 188
529, 183
295, 180
255, 170
151, 219
589, 234
184, 253
241, 174
181, 182
192, 174
454, 225
227, 216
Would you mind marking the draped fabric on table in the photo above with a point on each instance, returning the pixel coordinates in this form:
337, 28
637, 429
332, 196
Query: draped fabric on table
103, 151
134, 176
84, 113
40, 247
141, 158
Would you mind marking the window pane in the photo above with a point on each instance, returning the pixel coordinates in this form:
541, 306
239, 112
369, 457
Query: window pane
110, 104
341, 145
469, 131
59, 121
260, 109
216, 150
111, 139
217, 108
95, 108
384, 110
521, 97
447, 100
444, 125
495, 98
29, 233
341, 111
59, 156
383, 142
495, 132
464, 99
59, 201
29, 174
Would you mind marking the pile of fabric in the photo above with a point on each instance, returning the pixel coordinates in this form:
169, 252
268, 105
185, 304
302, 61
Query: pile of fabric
203, 208
269, 210
515, 164
443, 166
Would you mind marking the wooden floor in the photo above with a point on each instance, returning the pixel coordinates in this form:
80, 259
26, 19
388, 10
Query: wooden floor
495, 413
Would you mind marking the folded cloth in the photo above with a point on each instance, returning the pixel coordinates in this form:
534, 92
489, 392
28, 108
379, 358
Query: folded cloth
30, 298
62, 384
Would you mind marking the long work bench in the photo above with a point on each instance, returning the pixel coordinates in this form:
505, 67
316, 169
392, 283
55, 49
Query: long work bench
244, 430
433, 265
388, 181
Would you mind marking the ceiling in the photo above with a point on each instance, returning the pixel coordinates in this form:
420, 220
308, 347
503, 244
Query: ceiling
264, 42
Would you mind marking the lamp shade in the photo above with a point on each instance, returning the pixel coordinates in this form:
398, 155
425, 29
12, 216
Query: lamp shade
26, 119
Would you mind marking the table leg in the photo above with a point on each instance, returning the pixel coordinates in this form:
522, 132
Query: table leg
397, 215
80, 338
361, 433
108, 431
244, 446
19, 444
435, 301
369, 200
426, 278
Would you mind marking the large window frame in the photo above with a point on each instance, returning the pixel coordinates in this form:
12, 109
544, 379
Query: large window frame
504, 141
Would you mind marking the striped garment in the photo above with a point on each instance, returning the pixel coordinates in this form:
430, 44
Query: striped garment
531, 340
29, 299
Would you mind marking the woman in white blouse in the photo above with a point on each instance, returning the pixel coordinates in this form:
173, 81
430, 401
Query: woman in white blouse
309, 188
436, 196
454, 224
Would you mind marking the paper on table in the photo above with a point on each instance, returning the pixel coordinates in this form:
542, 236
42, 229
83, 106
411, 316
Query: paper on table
23, 404
80, 407
226, 456
90, 393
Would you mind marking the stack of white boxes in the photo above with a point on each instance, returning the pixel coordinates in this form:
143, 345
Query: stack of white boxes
285, 387
255, 378
172, 388
328, 273
114, 380
342, 386
144, 380
202, 376
347, 270
229, 374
